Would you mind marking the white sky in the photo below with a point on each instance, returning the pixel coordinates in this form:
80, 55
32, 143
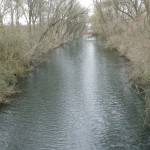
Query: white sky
86, 3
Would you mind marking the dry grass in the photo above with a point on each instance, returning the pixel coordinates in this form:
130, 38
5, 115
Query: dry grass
17, 52
134, 43
136, 47
7, 82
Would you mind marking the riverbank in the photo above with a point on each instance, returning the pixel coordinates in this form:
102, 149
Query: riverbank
136, 50
16, 59
135, 47
128, 33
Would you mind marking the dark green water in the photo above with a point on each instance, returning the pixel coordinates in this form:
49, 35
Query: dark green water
78, 99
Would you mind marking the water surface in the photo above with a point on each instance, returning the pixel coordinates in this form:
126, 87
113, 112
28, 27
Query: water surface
78, 99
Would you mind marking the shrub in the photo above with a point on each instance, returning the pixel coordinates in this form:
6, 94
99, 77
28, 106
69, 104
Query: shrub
7, 82
14, 52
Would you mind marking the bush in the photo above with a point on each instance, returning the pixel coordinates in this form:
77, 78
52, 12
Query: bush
14, 52
7, 82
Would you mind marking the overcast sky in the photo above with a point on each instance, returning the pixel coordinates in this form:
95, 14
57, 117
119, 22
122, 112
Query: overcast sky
85, 3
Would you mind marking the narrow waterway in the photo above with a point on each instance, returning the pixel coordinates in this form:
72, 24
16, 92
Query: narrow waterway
78, 99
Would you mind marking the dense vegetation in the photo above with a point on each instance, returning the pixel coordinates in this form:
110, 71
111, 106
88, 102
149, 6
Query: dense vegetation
125, 25
29, 28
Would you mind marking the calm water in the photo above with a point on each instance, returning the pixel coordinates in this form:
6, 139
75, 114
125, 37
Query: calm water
78, 99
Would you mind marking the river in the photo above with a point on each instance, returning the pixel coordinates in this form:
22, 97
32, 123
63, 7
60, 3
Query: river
79, 98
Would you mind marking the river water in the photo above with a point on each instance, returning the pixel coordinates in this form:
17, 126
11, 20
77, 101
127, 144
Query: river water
79, 98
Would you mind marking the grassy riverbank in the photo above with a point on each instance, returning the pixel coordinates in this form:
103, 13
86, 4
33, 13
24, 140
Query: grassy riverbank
127, 31
17, 57
136, 48
131, 41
